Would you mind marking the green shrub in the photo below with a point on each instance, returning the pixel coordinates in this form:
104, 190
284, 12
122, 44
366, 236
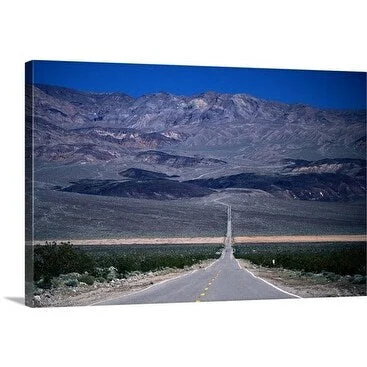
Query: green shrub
144, 258
71, 283
100, 272
359, 279
87, 279
112, 273
330, 259
56, 282
51, 260
43, 283
106, 263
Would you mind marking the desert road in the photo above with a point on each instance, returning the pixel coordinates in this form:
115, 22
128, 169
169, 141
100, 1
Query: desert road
223, 280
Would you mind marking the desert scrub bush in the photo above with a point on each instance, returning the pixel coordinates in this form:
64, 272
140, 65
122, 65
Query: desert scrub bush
44, 283
51, 260
359, 279
106, 263
112, 274
87, 279
144, 258
71, 282
56, 282
330, 258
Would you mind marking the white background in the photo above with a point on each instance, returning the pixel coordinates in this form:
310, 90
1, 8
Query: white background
277, 34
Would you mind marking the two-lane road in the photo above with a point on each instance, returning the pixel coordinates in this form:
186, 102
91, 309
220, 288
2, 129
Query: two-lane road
223, 280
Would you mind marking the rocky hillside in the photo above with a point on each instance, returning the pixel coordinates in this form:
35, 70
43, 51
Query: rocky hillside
176, 161
157, 189
172, 147
104, 126
138, 183
347, 166
306, 186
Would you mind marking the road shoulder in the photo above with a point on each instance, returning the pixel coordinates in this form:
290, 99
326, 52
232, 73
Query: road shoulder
84, 295
306, 285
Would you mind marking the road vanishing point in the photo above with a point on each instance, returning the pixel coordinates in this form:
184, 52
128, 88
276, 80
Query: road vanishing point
223, 280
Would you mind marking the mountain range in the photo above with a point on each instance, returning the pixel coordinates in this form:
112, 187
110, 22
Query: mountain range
217, 141
103, 126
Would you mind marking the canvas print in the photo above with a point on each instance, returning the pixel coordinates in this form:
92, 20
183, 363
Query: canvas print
167, 183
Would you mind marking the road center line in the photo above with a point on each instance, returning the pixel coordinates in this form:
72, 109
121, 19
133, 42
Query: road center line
144, 289
203, 293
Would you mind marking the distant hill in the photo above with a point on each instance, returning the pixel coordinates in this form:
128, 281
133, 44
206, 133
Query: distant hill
176, 161
112, 125
306, 186
163, 146
158, 189
142, 174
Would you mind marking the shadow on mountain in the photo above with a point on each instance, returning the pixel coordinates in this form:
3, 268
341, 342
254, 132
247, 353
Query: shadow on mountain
158, 189
324, 186
307, 186
176, 161
142, 174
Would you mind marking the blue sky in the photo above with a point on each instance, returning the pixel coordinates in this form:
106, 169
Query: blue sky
324, 89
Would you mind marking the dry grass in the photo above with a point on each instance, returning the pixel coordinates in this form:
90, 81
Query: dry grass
300, 239
216, 240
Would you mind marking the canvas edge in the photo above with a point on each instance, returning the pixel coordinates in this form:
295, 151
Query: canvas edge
29, 186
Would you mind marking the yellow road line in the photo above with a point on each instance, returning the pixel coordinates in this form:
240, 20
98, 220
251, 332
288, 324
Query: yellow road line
206, 288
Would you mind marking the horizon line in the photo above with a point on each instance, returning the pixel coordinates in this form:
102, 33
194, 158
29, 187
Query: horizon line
106, 92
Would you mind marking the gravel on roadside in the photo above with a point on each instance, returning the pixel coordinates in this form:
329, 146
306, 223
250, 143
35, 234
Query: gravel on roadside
307, 285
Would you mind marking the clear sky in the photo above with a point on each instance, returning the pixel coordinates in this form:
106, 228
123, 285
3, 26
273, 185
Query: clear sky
324, 89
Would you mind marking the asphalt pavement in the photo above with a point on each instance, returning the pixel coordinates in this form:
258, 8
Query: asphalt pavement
223, 280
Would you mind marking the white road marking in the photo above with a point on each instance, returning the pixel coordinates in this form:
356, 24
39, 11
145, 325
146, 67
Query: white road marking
238, 263
228, 236
265, 281
145, 289
153, 285
210, 265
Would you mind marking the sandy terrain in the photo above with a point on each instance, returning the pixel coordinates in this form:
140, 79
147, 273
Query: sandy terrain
213, 240
143, 241
282, 239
